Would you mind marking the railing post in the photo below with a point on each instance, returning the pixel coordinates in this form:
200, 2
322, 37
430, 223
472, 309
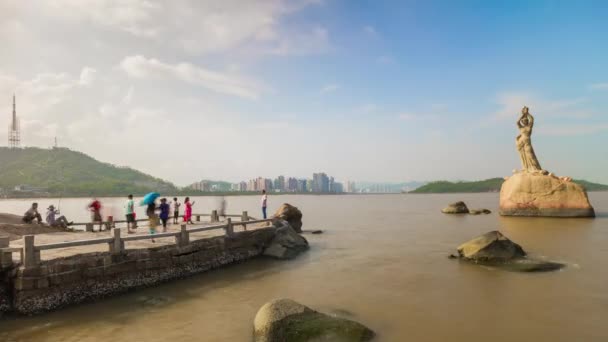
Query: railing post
229, 227
245, 218
6, 258
89, 227
117, 246
183, 239
30, 254
198, 218
214, 217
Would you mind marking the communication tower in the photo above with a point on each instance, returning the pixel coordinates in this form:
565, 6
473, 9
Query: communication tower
14, 131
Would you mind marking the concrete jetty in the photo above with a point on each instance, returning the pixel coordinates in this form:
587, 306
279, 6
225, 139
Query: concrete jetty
49, 271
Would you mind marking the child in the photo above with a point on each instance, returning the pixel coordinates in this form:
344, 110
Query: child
164, 213
176, 206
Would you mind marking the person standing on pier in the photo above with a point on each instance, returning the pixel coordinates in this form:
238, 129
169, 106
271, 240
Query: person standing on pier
176, 206
130, 214
95, 208
152, 218
264, 203
164, 213
188, 211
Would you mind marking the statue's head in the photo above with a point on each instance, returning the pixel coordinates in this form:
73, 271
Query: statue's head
524, 110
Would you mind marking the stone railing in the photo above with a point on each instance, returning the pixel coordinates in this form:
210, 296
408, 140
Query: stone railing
214, 217
30, 252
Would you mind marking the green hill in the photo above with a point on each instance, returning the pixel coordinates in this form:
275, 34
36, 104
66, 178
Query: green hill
488, 185
60, 171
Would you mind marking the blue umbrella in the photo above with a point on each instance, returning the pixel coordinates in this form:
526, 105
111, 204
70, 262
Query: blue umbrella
149, 198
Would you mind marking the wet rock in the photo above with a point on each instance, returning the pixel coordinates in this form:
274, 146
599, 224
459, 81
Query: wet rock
491, 246
495, 249
479, 211
290, 214
286, 244
287, 320
456, 208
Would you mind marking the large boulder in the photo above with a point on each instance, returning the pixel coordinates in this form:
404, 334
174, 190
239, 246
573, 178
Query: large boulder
495, 249
456, 208
538, 194
286, 320
290, 214
286, 244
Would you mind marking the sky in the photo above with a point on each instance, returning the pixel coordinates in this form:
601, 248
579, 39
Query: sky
362, 90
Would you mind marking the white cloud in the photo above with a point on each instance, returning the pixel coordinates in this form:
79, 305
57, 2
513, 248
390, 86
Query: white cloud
573, 129
194, 26
370, 30
313, 41
150, 68
385, 60
511, 103
87, 76
599, 86
328, 88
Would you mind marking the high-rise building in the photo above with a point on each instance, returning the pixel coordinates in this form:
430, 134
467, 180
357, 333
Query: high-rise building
350, 187
292, 185
320, 182
279, 183
243, 186
14, 131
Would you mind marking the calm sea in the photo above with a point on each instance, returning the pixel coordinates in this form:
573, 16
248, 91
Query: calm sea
382, 261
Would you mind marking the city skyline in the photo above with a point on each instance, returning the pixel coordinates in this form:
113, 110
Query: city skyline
397, 91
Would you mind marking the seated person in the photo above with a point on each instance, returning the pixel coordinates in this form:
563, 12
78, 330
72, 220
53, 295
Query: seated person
60, 221
32, 214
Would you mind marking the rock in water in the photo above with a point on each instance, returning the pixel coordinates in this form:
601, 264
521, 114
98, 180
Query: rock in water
286, 244
492, 246
495, 249
535, 194
286, 320
290, 214
456, 208
479, 211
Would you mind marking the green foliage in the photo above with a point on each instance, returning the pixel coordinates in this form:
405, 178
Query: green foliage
488, 185
69, 173
591, 186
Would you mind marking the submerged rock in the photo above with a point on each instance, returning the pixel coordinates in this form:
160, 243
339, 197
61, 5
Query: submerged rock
456, 208
495, 249
286, 320
290, 214
479, 211
286, 244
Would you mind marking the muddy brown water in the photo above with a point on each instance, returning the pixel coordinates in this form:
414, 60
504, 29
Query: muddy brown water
382, 261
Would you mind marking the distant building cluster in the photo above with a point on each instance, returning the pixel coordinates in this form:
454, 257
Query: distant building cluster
319, 183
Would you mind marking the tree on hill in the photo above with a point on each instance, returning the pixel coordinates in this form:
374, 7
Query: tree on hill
66, 172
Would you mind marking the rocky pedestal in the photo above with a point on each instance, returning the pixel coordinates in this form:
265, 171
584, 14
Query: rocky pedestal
537, 194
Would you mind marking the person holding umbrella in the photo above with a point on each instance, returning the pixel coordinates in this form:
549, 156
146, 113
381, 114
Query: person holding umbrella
150, 201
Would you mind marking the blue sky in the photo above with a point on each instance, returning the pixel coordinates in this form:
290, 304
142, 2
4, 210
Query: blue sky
364, 90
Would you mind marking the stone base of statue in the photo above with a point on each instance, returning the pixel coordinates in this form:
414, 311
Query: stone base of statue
543, 194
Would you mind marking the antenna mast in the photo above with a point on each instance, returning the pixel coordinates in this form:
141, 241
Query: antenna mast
14, 131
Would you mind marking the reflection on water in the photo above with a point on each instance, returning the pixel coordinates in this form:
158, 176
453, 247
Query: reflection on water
383, 261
